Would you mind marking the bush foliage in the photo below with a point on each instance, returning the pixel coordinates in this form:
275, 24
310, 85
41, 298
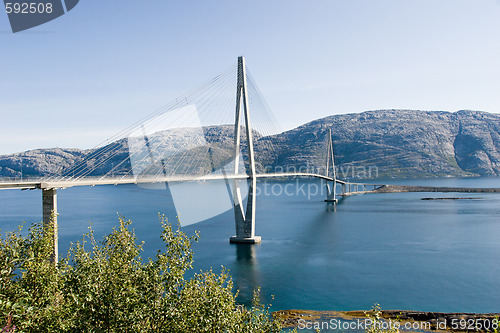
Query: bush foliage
106, 286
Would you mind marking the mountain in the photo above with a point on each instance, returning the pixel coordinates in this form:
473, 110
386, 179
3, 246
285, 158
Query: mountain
403, 143
383, 143
39, 162
211, 146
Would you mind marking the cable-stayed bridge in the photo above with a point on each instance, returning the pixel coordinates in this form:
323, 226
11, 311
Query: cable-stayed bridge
205, 135
212, 133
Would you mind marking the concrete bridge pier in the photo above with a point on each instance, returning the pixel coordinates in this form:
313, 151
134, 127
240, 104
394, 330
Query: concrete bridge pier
49, 218
245, 220
331, 192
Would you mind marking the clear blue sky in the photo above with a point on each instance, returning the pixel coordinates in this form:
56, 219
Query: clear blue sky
81, 78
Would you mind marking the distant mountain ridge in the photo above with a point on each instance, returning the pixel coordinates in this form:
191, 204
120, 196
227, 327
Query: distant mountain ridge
396, 143
406, 143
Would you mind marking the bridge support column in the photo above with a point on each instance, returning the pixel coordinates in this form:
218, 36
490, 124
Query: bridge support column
49, 218
331, 192
244, 220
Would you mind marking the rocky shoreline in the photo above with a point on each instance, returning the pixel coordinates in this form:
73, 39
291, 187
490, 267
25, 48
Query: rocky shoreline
432, 321
406, 188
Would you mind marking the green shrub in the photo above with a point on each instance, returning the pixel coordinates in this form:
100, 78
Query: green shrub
106, 286
378, 325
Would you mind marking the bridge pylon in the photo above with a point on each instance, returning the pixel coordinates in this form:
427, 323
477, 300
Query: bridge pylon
49, 218
244, 219
330, 164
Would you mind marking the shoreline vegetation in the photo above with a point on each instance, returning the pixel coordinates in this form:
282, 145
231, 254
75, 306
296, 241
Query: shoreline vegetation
107, 286
427, 319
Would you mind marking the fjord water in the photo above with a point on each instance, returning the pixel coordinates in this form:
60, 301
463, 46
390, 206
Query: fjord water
394, 249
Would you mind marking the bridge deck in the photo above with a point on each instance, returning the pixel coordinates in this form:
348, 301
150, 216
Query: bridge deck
65, 183
380, 188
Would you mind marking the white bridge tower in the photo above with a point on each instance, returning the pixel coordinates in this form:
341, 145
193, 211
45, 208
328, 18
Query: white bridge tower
244, 219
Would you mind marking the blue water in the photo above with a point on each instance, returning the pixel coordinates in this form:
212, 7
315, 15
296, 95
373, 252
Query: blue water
393, 249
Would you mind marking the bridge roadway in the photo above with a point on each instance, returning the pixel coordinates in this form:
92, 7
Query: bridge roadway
350, 188
90, 181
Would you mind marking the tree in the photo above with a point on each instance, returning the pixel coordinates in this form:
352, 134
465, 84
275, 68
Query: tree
107, 286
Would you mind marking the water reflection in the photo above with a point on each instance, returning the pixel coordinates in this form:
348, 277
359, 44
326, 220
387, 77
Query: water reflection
331, 207
247, 277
